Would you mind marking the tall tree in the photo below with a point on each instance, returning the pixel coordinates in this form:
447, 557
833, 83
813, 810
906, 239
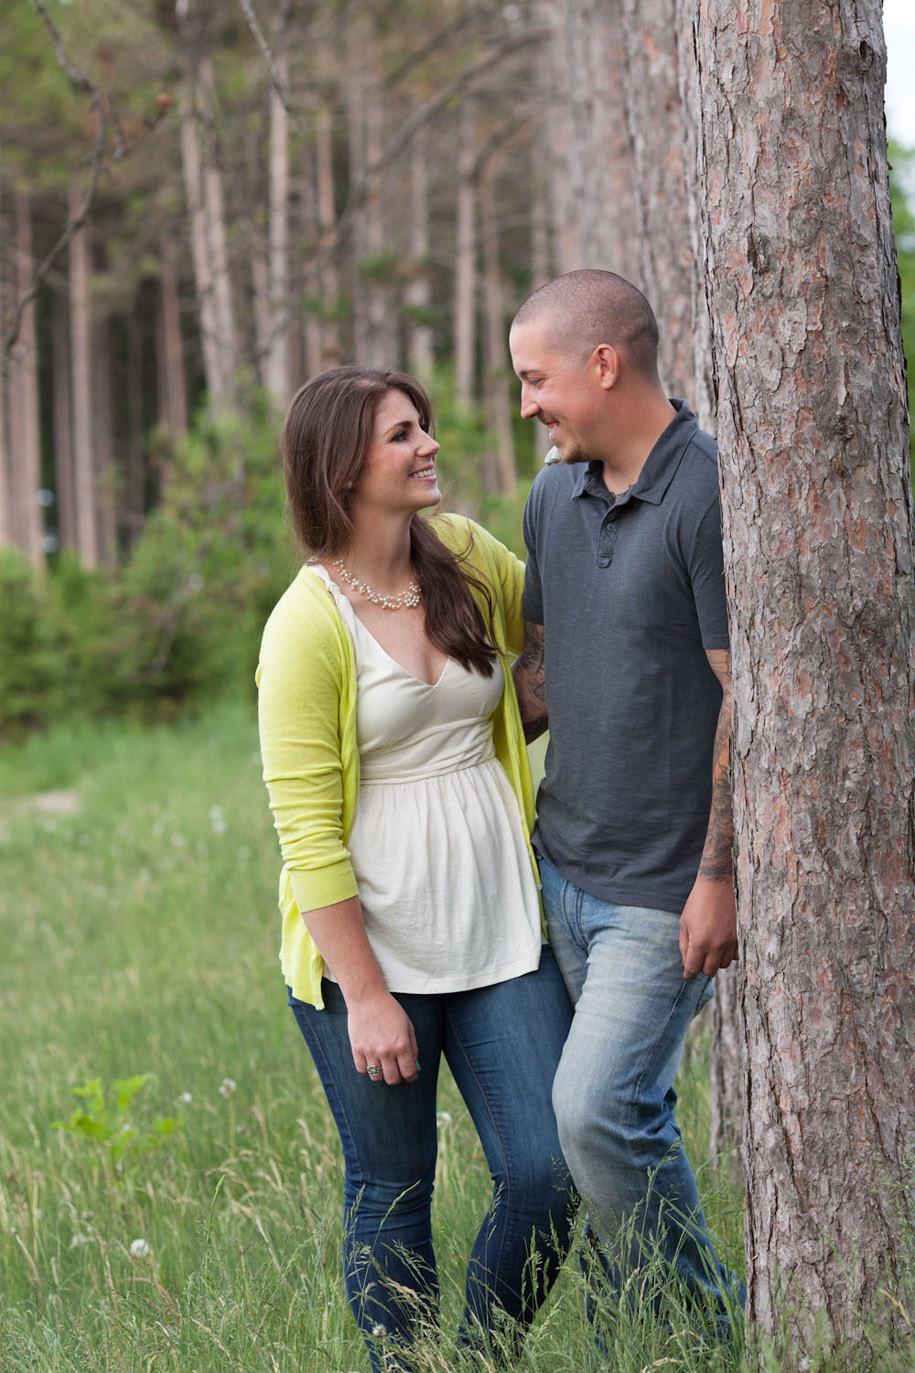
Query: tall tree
818, 526
584, 128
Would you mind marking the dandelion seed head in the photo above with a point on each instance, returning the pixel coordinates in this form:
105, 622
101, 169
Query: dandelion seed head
139, 1249
443, 1118
227, 1087
185, 1099
378, 1331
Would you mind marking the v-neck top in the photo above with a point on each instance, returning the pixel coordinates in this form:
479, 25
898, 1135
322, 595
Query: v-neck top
437, 846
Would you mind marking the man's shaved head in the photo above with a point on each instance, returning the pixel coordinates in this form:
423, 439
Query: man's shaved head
590, 307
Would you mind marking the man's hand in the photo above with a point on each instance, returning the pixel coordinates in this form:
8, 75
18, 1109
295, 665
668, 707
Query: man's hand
708, 927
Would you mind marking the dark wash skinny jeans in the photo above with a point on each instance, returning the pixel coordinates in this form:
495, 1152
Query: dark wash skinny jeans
502, 1044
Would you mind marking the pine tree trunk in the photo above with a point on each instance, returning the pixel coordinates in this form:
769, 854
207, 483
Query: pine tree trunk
24, 437
328, 285
418, 293
585, 133
498, 368
81, 390
818, 531
62, 425
133, 504
203, 189
663, 182
465, 266
172, 389
276, 362
106, 480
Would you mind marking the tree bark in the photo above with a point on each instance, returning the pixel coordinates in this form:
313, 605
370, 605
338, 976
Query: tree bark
418, 294
663, 182
726, 1070
24, 437
465, 266
818, 532
498, 369
203, 189
172, 389
62, 425
81, 390
276, 362
133, 506
106, 479
585, 132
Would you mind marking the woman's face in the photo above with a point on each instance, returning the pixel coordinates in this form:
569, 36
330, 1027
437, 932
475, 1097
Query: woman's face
398, 475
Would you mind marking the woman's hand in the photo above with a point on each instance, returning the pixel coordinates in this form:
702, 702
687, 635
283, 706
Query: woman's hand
381, 1035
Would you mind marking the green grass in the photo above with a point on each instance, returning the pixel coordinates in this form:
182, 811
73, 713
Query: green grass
139, 933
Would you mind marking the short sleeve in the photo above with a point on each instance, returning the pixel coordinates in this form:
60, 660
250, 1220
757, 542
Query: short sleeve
706, 570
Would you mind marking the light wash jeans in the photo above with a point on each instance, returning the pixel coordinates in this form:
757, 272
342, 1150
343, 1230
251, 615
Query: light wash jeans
502, 1044
614, 1095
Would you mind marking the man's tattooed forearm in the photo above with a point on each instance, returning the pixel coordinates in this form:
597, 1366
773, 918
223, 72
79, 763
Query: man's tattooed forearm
530, 682
717, 860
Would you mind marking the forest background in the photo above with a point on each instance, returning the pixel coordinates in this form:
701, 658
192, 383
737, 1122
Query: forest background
200, 208
214, 200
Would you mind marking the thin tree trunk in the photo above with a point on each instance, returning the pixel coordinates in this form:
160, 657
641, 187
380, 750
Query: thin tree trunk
465, 266
172, 389
62, 426
6, 301
106, 480
726, 1067
81, 391
418, 294
498, 370
203, 189
134, 467
585, 133
24, 438
818, 530
276, 362
662, 182
329, 289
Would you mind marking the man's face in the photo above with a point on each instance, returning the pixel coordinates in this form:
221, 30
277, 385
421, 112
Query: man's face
561, 391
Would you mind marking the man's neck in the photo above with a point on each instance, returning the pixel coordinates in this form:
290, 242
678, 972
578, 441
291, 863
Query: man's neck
623, 467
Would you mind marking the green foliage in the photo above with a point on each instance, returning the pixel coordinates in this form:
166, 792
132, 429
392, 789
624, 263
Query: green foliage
182, 618
108, 1129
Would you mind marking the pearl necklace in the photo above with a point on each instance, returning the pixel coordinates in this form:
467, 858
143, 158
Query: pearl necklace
404, 600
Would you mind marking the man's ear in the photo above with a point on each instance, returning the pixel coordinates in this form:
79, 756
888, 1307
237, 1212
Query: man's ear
606, 362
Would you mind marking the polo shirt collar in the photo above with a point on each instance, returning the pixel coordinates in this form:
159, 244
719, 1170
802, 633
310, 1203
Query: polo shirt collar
660, 465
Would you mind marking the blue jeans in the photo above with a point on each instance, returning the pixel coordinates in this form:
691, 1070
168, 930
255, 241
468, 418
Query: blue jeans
614, 1094
502, 1044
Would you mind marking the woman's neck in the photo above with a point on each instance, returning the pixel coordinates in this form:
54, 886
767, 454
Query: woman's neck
380, 553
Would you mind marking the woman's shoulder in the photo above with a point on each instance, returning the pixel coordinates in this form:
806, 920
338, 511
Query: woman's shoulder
307, 608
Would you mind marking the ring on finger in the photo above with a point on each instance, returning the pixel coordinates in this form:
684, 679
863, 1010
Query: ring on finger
373, 1070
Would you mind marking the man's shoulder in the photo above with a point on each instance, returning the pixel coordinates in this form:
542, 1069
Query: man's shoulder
697, 473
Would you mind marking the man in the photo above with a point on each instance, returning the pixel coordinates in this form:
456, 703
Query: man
626, 658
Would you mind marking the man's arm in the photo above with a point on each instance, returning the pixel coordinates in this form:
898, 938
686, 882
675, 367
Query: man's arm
708, 925
529, 676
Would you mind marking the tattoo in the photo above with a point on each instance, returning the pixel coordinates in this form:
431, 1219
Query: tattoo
717, 860
530, 684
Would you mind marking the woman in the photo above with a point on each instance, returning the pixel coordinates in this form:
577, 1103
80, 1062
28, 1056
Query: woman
395, 763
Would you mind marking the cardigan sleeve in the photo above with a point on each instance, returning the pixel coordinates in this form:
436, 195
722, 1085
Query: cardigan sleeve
299, 679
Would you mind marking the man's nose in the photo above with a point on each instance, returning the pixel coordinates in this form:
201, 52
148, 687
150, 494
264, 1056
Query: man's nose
529, 406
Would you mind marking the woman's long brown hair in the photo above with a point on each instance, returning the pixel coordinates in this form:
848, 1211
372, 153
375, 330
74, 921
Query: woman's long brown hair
325, 439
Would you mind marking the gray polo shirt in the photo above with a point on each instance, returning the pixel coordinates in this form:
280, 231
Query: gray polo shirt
630, 593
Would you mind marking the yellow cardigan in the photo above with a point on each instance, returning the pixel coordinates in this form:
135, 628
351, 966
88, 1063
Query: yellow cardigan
306, 681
